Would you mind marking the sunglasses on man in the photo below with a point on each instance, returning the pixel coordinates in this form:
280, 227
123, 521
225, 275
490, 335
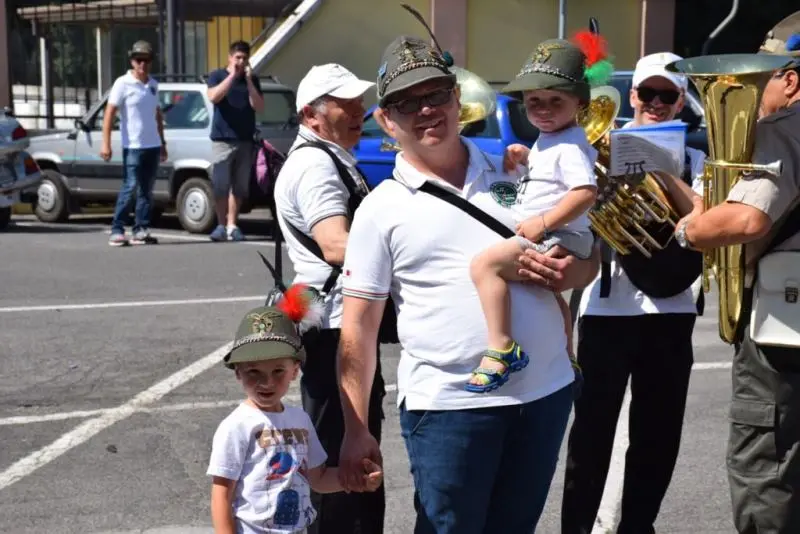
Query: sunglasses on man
140, 59
413, 104
667, 96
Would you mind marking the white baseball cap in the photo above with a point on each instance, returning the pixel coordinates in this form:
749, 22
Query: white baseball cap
330, 79
653, 65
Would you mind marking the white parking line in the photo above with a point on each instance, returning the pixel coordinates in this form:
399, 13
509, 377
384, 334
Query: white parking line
612, 493
186, 237
130, 304
86, 430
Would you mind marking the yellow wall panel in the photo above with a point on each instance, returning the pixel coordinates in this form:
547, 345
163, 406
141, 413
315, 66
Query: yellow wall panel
350, 32
503, 33
222, 31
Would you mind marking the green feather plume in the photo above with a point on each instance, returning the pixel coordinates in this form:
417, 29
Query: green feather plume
599, 73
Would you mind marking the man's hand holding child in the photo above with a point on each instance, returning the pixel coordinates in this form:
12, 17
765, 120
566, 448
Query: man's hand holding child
373, 477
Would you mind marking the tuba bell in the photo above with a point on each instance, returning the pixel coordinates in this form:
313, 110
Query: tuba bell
477, 101
730, 86
628, 209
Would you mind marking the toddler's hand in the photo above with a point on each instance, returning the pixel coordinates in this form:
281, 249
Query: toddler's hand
515, 154
374, 477
531, 229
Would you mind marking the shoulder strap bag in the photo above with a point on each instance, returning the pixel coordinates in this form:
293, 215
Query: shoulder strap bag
773, 301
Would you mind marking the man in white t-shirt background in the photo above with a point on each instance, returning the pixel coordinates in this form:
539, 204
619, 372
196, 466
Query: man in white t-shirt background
624, 333
314, 207
135, 96
480, 463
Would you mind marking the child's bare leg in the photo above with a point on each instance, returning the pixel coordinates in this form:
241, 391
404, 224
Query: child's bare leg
491, 271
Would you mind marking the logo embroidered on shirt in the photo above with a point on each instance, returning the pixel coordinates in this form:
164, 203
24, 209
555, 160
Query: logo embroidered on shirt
504, 193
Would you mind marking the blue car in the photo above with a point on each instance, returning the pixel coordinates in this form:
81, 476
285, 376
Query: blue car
509, 124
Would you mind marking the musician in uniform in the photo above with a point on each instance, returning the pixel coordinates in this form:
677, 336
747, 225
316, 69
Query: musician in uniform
629, 329
762, 213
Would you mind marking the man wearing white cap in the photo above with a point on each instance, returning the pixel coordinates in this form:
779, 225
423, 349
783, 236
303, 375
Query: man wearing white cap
635, 323
316, 193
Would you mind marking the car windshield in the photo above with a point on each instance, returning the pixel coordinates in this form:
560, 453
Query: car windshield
278, 108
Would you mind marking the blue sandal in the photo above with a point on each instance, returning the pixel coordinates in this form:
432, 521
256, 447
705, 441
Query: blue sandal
514, 360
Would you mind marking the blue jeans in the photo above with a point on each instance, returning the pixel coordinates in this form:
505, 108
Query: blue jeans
483, 471
139, 166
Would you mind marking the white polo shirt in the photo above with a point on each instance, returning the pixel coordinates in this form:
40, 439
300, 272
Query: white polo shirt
418, 248
137, 103
623, 297
308, 190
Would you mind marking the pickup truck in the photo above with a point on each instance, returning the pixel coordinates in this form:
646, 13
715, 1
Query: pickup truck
509, 124
75, 176
506, 126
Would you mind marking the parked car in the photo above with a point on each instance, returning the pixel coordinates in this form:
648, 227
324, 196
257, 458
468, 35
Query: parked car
18, 170
75, 175
509, 124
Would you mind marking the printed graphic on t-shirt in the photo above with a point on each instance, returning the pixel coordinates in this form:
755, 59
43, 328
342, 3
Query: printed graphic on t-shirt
286, 483
269, 454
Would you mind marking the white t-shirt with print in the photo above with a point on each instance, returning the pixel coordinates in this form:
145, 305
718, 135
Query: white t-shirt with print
558, 162
308, 190
418, 248
626, 299
269, 454
137, 103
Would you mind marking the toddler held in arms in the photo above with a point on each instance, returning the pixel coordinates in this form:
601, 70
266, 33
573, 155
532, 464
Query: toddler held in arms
553, 195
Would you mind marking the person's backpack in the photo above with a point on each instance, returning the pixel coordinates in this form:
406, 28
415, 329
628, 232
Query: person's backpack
269, 161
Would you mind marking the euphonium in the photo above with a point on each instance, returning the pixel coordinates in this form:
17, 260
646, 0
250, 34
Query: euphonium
626, 207
730, 86
477, 98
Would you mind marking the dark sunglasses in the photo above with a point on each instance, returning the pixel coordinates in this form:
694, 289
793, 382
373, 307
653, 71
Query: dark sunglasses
667, 96
141, 59
413, 104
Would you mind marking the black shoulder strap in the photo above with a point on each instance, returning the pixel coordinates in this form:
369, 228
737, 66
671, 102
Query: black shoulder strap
468, 207
308, 242
344, 174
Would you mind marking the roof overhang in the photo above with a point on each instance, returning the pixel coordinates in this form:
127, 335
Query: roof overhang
144, 11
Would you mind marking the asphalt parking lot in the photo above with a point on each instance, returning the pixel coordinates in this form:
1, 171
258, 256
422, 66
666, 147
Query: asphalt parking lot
111, 387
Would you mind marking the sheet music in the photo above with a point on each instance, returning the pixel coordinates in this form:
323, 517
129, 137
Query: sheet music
657, 147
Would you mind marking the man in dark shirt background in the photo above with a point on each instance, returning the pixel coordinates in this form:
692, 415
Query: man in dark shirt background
236, 94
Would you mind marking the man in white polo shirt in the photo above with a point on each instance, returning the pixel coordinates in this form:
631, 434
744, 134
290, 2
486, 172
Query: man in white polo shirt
135, 96
481, 463
636, 323
316, 193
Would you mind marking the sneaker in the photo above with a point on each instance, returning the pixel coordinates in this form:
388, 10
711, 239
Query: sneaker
118, 240
143, 237
234, 234
219, 234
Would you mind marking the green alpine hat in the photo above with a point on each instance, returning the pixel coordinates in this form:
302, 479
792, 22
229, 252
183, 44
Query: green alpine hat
562, 65
409, 61
273, 332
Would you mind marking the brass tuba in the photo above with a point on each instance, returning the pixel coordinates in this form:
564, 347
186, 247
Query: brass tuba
730, 86
477, 98
626, 207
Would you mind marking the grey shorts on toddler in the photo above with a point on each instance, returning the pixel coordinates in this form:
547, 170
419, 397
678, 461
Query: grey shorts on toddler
579, 244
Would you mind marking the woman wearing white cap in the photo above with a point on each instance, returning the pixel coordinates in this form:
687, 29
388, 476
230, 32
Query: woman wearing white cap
629, 329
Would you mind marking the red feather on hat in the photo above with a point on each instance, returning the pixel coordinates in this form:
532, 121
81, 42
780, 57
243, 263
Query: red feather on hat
593, 46
301, 307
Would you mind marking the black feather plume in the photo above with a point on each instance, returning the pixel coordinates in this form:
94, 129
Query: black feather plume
594, 27
422, 20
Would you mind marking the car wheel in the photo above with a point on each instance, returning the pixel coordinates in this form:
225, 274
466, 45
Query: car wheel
5, 217
195, 205
52, 202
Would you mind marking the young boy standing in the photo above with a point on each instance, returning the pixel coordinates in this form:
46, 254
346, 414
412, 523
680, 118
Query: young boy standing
266, 456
